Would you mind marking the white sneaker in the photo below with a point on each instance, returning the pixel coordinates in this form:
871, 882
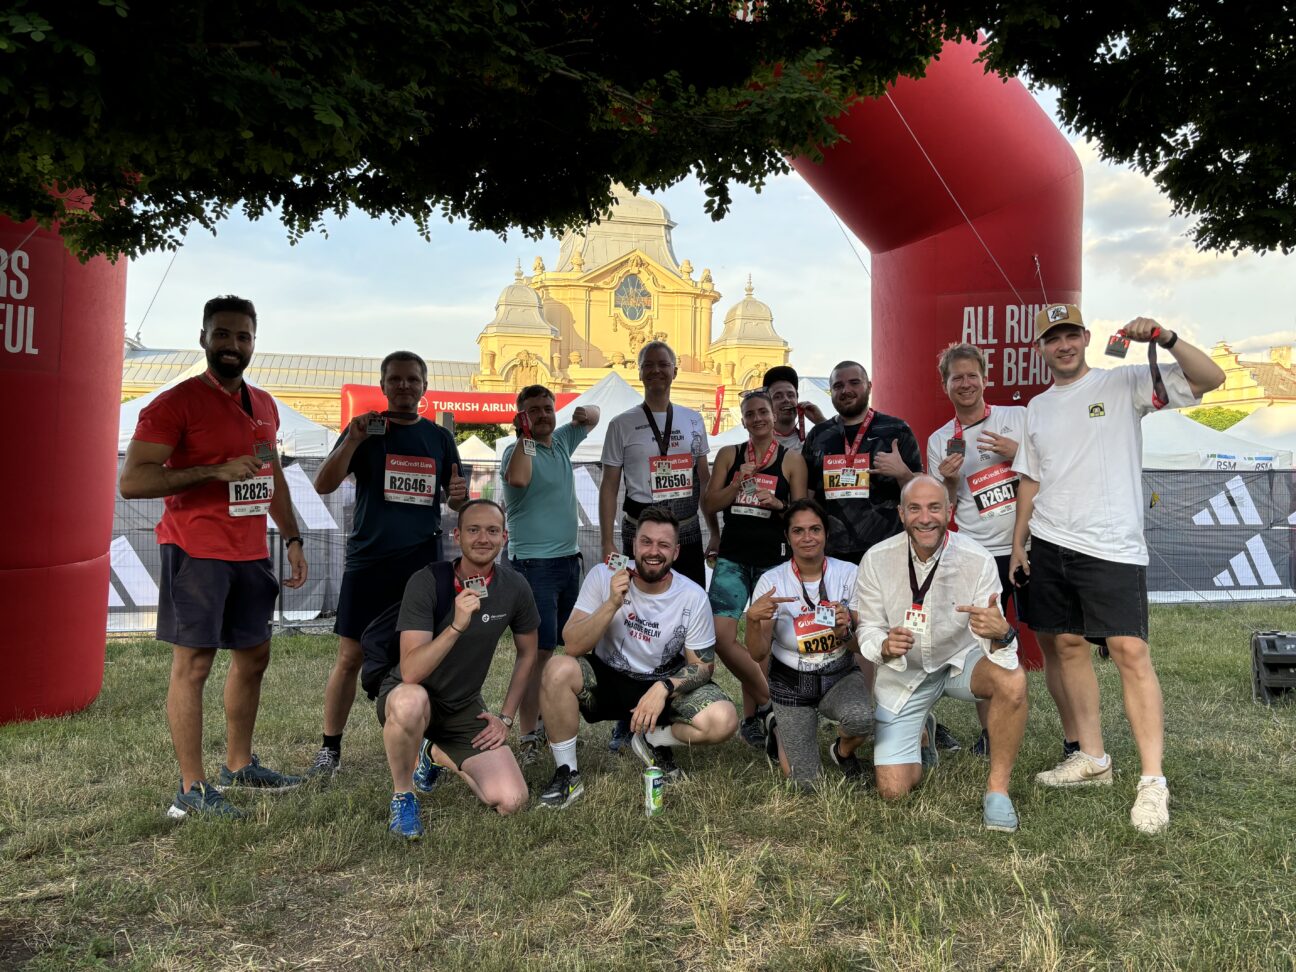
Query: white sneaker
1151, 811
1078, 769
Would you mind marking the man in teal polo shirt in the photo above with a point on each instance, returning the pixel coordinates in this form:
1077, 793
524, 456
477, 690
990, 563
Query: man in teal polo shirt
540, 498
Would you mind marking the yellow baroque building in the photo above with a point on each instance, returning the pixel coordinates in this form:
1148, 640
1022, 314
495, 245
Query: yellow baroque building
615, 286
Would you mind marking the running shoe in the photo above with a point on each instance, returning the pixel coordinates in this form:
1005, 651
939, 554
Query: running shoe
563, 789
254, 776
998, 813
528, 750
202, 800
850, 765
620, 736
771, 739
1069, 747
1151, 811
982, 746
403, 817
1078, 769
930, 754
428, 773
946, 740
752, 731
327, 765
659, 756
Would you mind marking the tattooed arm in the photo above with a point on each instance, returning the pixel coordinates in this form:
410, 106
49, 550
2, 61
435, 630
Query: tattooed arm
698, 668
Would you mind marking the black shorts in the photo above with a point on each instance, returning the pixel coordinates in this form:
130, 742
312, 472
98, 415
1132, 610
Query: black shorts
607, 694
790, 687
205, 603
1019, 595
368, 591
451, 729
1074, 593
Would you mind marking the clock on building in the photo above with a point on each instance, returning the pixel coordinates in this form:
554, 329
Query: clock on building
632, 299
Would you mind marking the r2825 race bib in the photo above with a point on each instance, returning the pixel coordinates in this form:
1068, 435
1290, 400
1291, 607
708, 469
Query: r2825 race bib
252, 497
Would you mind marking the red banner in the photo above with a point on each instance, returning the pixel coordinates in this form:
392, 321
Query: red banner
467, 406
720, 393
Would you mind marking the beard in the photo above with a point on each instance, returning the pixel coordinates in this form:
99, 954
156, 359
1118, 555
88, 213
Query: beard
652, 574
855, 410
226, 369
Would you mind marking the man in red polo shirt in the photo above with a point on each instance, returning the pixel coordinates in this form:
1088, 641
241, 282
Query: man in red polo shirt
208, 447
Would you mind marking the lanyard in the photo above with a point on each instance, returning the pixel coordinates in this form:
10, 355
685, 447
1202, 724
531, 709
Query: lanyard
823, 591
919, 593
243, 391
1160, 398
801, 422
663, 441
853, 447
958, 426
765, 460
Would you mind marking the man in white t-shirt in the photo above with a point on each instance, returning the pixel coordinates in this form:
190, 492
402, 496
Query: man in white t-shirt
660, 450
640, 645
1080, 500
973, 454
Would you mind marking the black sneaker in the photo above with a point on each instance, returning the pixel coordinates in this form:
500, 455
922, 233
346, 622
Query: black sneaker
327, 765
203, 800
982, 746
659, 756
254, 776
563, 789
771, 740
946, 740
752, 731
850, 765
620, 736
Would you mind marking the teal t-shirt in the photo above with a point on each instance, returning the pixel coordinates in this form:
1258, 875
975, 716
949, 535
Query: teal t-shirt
543, 517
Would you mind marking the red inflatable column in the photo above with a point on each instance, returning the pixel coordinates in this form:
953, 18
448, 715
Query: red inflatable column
61, 332
956, 183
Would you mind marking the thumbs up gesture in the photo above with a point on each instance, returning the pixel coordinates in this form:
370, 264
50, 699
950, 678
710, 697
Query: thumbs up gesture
890, 463
988, 621
458, 491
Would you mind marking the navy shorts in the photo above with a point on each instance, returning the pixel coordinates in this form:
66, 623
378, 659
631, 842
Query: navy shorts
1075, 593
205, 603
555, 584
368, 591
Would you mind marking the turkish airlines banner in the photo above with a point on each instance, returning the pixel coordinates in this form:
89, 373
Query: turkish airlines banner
466, 406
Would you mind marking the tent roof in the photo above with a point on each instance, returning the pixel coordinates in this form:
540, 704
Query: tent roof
612, 394
1273, 426
809, 392
474, 449
1171, 440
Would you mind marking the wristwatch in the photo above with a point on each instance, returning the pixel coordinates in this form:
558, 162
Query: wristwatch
289, 541
1174, 339
1007, 639
507, 720
666, 684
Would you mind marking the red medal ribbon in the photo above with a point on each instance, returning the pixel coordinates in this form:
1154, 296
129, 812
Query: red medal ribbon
853, 447
459, 584
765, 460
958, 426
801, 422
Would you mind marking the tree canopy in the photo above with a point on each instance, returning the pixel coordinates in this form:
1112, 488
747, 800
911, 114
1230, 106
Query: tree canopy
519, 114
1217, 417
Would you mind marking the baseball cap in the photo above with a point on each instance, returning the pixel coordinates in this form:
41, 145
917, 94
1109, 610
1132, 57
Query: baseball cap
781, 373
1055, 315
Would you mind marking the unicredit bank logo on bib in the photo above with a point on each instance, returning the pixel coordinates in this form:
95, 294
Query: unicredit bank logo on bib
410, 479
671, 477
252, 497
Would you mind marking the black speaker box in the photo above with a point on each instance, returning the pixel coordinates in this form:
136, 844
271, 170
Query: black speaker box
1273, 666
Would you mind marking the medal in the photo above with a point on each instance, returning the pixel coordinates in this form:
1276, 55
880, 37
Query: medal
618, 562
376, 425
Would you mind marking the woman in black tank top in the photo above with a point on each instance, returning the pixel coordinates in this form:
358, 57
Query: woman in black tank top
751, 484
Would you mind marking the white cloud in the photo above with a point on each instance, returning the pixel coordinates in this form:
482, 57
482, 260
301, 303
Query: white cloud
1263, 342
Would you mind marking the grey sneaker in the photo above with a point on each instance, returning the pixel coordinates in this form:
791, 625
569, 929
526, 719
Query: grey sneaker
752, 731
563, 789
327, 765
946, 740
852, 769
528, 750
203, 800
620, 736
930, 754
254, 776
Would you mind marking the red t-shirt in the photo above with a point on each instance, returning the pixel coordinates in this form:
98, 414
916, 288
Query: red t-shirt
205, 427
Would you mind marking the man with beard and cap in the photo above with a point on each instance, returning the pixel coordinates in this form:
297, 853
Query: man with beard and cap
929, 619
640, 646
857, 462
543, 517
207, 446
1081, 503
402, 465
790, 413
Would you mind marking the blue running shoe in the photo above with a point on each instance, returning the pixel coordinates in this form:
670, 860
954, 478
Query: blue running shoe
254, 776
620, 736
403, 818
428, 772
203, 800
998, 813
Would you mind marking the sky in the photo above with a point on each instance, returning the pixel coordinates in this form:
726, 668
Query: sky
370, 286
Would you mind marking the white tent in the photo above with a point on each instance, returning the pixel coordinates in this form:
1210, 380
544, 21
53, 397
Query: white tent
809, 392
298, 435
1171, 440
473, 449
1273, 426
612, 394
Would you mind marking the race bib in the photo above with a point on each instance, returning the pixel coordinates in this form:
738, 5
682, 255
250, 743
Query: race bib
919, 622
410, 479
746, 503
252, 496
670, 477
812, 637
994, 490
846, 477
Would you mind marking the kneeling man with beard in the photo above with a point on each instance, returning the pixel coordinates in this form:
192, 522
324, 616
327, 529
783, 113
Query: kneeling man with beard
929, 619
640, 644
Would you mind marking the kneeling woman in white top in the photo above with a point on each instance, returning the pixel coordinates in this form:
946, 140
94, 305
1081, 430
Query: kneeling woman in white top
799, 614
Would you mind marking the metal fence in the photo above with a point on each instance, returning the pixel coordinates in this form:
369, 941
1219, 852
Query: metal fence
1212, 537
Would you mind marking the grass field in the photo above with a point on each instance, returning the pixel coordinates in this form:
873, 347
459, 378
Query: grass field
738, 873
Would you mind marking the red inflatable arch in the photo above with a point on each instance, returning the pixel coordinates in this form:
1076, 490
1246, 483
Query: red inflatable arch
957, 184
61, 329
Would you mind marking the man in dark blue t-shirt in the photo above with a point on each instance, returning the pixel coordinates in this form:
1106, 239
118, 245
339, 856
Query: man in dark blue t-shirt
402, 465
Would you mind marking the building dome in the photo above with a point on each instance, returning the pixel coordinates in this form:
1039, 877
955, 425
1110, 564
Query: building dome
633, 223
520, 311
750, 321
